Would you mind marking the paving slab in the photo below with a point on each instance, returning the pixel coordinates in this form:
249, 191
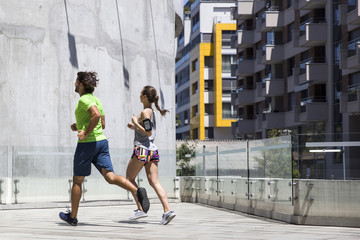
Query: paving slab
193, 221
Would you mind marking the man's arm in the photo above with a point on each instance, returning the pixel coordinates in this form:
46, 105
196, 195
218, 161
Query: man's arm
103, 121
95, 115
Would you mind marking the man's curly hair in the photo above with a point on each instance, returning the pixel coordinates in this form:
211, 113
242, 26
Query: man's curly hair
89, 80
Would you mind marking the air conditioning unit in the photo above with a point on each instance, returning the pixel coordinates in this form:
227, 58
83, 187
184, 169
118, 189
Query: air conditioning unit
186, 121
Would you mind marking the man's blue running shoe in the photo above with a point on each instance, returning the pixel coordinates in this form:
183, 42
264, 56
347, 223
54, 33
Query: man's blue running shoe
143, 199
67, 218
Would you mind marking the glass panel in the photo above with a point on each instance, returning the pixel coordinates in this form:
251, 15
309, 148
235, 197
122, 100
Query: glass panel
3, 161
270, 163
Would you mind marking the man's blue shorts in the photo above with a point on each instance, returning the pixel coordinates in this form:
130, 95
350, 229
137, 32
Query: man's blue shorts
92, 152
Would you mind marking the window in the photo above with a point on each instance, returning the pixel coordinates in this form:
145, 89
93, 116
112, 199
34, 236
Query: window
290, 66
194, 111
194, 65
209, 109
227, 111
196, 133
227, 60
194, 88
209, 85
290, 29
209, 132
209, 61
291, 101
226, 38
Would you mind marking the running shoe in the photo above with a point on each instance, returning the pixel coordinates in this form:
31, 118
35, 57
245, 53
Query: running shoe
143, 199
138, 214
167, 217
66, 217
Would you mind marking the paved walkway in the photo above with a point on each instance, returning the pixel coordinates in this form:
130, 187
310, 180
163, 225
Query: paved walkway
193, 221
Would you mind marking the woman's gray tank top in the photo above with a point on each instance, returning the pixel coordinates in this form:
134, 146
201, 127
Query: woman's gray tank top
142, 140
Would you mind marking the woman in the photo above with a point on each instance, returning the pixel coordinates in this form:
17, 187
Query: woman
146, 153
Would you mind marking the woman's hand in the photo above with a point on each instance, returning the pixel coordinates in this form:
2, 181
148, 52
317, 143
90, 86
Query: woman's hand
130, 125
134, 119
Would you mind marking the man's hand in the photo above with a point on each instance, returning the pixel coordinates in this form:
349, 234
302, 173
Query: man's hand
73, 127
81, 135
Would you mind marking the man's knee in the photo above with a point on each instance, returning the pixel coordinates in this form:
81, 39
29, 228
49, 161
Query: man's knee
110, 177
78, 180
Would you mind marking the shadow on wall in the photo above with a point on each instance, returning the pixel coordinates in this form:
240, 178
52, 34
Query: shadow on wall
125, 71
157, 58
72, 43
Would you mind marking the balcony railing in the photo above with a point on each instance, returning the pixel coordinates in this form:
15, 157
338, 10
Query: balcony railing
302, 66
352, 47
352, 92
305, 101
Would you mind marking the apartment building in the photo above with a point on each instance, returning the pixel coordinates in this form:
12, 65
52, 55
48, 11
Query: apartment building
203, 71
298, 71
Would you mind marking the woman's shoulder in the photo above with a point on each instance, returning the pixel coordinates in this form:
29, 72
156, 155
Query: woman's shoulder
147, 112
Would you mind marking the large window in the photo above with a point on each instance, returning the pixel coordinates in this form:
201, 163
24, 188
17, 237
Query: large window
227, 111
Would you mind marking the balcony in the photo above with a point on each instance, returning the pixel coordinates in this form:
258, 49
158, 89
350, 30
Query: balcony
273, 54
313, 32
291, 118
245, 68
350, 14
349, 102
309, 4
245, 38
312, 110
311, 70
244, 126
247, 9
271, 18
273, 87
350, 58
243, 97
293, 80
274, 120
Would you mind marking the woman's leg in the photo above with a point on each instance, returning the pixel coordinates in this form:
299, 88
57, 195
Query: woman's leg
133, 169
153, 178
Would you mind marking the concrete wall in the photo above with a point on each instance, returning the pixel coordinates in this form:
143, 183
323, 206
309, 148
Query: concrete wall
43, 44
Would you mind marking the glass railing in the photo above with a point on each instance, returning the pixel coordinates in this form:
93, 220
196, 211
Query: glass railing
352, 92
352, 5
44, 174
302, 26
352, 47
259, 169
182, 60
305, 101
196, 26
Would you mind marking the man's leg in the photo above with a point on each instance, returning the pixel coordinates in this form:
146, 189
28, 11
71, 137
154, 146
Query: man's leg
118, 180
76, 192
123, 182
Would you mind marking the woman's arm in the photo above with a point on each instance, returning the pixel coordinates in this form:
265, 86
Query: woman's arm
143, 115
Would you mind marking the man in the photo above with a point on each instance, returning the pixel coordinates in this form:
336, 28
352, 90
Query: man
93, 147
